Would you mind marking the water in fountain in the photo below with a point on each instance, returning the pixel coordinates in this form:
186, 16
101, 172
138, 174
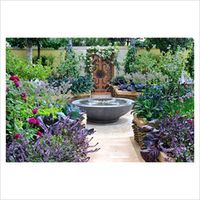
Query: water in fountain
104, 101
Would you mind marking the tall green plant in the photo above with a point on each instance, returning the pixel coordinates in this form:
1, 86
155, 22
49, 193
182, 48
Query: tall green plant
173, 64
69, 67
130, 59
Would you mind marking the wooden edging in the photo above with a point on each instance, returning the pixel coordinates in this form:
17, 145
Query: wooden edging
126, 94
83, 95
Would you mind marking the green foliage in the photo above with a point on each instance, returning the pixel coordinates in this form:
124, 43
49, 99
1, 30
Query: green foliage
54, 43
145, 62
159, 102
21, 68
190, 64
44, 60
108, 54
47, 111
152, 78
69, 67
185, 108
173, 64
18, 111
151, 104
82, 84
164, 44
130, 59
73, 111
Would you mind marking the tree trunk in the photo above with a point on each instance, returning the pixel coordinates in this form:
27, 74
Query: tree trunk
38, 44
29, 51
132, 42
68, 47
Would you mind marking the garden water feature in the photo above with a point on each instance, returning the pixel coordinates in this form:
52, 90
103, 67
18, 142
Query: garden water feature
104, 110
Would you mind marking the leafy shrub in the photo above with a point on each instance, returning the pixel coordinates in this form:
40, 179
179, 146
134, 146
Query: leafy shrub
152, 77
53, 93
173, 64
57, 82
183, 108
145, 62
161, 101
175, 137
69, 67
44, 60
19, 67
18, 109
65, 140
82, 84
130, 59
73, 111
152, 103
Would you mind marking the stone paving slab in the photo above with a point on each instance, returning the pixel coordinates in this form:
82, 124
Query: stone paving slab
116, 142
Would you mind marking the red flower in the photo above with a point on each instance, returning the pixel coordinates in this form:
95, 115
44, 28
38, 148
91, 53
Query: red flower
39, 134
34, 111
17, 135
33, 120
14, 78
24, 96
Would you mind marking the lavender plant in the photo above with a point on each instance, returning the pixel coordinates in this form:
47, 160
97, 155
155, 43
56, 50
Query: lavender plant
64, 140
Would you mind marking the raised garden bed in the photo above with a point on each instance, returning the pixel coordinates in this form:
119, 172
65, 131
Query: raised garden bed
115, 92
140, 128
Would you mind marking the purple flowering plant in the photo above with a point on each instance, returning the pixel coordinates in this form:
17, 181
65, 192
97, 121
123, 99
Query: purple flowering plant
63, 140
175, 137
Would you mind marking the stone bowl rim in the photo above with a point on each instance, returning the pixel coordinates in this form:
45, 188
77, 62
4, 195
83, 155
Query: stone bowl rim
128, 102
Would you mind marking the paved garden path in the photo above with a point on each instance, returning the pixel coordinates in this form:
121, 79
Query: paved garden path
116, 142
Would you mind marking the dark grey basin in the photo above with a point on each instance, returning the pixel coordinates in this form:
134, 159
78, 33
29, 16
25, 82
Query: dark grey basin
104, 110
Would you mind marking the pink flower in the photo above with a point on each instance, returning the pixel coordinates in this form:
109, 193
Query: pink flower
34, 111
39, 134
24, 96
190, 121
17, 83
33, 120
17, 135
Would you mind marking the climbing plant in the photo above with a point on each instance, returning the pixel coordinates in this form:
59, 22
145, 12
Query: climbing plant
108, 54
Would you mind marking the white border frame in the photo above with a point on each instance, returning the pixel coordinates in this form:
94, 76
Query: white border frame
105, 180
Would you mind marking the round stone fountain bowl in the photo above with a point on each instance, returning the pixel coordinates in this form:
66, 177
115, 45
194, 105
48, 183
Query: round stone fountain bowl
104, 110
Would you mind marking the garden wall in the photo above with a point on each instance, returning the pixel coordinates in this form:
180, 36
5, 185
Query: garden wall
59, 54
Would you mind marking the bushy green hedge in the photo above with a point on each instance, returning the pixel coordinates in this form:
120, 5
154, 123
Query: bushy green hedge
21, 68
